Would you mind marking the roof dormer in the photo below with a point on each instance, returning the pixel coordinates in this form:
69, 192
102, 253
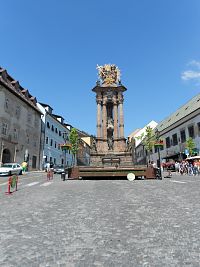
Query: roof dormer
16, 85
3, 74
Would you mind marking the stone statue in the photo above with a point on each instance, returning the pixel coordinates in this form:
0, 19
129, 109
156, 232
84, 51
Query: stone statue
94, 145
129, 145
109, 74
110, 123
110, 143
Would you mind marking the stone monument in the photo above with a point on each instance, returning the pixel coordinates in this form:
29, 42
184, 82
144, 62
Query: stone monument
110, 146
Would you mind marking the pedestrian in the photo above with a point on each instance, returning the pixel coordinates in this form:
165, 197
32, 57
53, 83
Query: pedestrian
48, 166
177, 167
24, 166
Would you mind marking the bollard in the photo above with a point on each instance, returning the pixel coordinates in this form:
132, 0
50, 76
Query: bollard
12, 182
51, 175
9, 183
48, 175
63, 174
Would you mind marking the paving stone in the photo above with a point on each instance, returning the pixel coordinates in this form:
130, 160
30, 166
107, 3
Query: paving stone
102, 223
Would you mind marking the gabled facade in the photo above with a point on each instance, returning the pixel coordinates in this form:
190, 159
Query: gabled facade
139, 132
20, 123
55, 135
139, 153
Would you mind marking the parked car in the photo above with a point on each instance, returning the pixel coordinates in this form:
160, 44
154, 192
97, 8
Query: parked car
10, 169
58, 169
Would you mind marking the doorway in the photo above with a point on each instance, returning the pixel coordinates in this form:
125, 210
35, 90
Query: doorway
6, 157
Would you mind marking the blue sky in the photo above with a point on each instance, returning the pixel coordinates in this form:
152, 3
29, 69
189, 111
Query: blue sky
53, 47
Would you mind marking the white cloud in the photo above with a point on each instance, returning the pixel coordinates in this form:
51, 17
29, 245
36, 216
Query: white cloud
190, 74
193, 73
195, 63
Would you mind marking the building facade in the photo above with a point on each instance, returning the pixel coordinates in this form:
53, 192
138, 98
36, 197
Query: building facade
175, 131
139, 153
55, 135
20, 132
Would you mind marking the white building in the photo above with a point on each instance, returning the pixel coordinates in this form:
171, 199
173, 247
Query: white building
55, 134
177, 128
139, 153
174, 131
138, 132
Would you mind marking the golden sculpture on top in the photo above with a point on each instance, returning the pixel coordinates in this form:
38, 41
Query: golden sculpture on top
109, 74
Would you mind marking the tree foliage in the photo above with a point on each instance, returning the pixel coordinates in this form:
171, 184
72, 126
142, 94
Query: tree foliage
190, 145
148, 140
74, 140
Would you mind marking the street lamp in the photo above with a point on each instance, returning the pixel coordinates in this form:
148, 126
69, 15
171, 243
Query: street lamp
158, 144
65, 137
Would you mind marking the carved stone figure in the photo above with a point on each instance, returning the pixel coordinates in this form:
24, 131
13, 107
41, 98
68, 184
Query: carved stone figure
129, 145
94, 145
110, 143
110, 123
109, 74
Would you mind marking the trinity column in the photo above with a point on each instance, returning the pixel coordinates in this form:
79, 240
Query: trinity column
110, 118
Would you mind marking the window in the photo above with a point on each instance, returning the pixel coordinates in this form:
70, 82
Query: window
34, 143
6, 104
55, 144
183, 136
52, 128
36, 121
51, 143
34, 162
29, 117
56, 130
47, 140
191, 131
174, 140
15, 134
27, 139
167, 142
48, 125
198, 127
4, 128
65, 136
18, 111
59, 133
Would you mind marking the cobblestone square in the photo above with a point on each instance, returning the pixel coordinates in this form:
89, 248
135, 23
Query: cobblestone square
101, 223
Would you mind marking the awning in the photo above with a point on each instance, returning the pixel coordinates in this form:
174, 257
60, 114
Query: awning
195, 157
172, 156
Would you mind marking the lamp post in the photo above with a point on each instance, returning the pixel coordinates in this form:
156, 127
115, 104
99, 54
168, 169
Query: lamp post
158, 144
65, 137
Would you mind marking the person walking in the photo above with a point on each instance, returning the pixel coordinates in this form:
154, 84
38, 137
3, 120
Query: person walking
24, 166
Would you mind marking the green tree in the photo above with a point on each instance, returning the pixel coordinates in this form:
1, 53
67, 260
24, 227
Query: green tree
148, 140
74, 140
190, 145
